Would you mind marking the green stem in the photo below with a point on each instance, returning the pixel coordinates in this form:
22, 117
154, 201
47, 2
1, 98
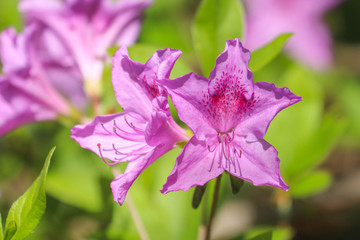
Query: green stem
136, 218
134, 213
213, 207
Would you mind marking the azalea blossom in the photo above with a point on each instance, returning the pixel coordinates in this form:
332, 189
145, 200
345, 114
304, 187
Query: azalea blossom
26, 95
311, 43
87, 28
229, 116
146, 130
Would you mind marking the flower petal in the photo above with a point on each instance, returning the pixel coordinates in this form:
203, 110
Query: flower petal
162, 62
258, 163
121, 184
231, 69
122, 20
117, 137
125, 74
194, 166
187, 93
18, 108
14, 50
268, 101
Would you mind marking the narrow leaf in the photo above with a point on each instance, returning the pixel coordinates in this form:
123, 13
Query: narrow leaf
236, 184
26, 211
1, 230
215, 22
262, 56
10, 230
198, 194
311, 184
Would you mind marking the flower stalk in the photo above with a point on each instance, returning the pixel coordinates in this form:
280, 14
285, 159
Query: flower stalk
213, 207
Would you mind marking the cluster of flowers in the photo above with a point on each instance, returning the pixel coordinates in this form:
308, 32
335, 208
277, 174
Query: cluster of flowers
54, 66
228, 114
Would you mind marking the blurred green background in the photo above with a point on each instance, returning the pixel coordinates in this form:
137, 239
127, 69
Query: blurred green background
318, 141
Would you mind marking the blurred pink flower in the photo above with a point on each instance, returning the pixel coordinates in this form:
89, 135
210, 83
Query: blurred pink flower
311, 43
26, 95
146, 130
87, 28
229, 116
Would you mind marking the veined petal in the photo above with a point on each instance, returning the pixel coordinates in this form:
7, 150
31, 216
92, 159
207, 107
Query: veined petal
121, 184
14, 51
162, 62
123, 22
231, 72
258, 163
195, 165
141, 80
117, 137
268, 101
18, 108
125, 74
188, 95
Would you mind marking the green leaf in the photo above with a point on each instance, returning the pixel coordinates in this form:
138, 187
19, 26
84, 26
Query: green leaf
264, 236
236, 184
26, 212
10, 230
1, 230
10, 14
311, 184
262, 56
215, 22
198, 195
314, 151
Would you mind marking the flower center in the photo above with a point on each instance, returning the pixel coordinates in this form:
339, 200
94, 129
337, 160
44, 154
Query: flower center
225, 152
225, 103
150, 85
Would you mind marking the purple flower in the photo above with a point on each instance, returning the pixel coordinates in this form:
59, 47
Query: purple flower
26, 95
146, 130
87, 28
229, 116
311, 43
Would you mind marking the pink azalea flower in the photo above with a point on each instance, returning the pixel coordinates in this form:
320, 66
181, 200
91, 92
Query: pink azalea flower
146, 130
87, 28
229, 116
311, 43
26, 95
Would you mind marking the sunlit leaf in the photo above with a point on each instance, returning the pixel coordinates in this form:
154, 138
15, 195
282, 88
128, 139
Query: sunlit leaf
26, 212
262, 56
165, 27
1, 230
283, 233
301, 134
263, 236
311, 184
10, 15
311, 153
216, 21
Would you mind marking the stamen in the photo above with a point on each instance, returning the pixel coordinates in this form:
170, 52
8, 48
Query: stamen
128, 133
102, 124
102, 157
